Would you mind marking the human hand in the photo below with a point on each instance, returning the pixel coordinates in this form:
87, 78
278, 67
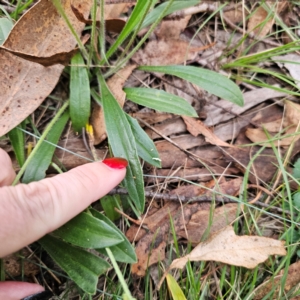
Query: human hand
29, 211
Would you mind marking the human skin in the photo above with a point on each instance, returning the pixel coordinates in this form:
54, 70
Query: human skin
29, 211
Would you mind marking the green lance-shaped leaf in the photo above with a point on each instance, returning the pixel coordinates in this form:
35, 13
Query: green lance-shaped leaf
17, 139
82, 267
36, 169
89, 232
122, 142
160, 100
6, 26
145, 146
123, 252
210, 81
80, 99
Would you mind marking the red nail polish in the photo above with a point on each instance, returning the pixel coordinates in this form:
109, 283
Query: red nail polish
116, 162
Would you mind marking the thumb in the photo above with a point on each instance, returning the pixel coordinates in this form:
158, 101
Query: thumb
28, 212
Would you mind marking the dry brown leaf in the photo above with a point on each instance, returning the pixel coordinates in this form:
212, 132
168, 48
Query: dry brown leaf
40, 32
290, 121
196, 127
292, 113
257, 22
293, 279
115, 84
113, 25
257, 135
113, 11
226, 247
236, 15
171, 29
200, 221
166, 52
230, 187
262, 169
15, 265
227, 110
152, 117
190, 221
156, 239
62, 58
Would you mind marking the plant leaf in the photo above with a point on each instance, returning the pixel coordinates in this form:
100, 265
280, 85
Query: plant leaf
6, 26
176, 5
80, 102
145, 146
124, 251
174, 288
40, 33
108, 203
139, 10
210, 81
81, 266
224, 246
160, 100
88, 232
17, 139
123, 144
36, 169
296, 169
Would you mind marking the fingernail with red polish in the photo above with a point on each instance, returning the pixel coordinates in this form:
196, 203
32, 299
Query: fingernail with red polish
116, 162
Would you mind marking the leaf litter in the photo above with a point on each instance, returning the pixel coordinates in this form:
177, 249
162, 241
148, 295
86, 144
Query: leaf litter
220, 132
25, 84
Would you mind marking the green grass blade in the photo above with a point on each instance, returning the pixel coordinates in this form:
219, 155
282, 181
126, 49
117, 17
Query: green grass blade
160, 100
210, 81
80, 99
177, 5
123, 252
36, 169
139, 10
5, 27
81, 266
145, 146
17, 139
122, 142
174, 288
88, 232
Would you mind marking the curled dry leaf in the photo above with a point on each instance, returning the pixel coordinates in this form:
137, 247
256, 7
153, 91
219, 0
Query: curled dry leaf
115, 84
196, 127
225, 246
40, 32
289, 122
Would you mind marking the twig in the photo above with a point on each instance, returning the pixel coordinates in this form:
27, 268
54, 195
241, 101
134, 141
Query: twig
199, 199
